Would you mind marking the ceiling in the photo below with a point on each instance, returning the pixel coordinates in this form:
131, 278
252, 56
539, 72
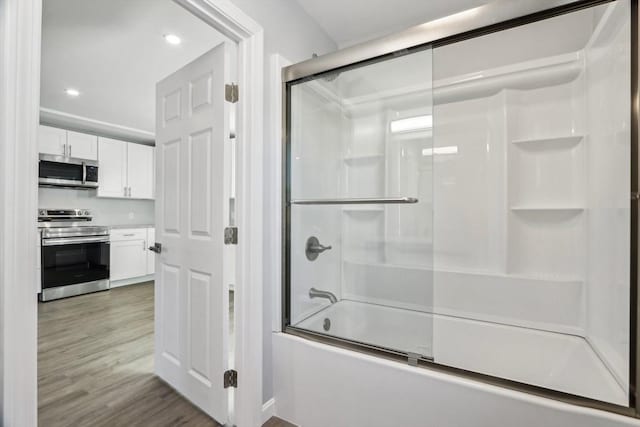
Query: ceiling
353, 21
114, 53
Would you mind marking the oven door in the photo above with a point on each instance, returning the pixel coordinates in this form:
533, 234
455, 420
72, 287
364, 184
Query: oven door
73, 260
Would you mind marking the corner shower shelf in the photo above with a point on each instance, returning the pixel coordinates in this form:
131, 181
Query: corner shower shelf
551, 142
363, 158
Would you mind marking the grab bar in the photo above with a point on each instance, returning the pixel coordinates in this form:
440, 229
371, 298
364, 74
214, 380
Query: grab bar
383, 200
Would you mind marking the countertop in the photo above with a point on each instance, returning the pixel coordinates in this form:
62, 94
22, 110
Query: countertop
116, 227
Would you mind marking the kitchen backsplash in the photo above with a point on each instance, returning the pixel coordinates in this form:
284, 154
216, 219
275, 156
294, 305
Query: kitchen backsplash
105, 211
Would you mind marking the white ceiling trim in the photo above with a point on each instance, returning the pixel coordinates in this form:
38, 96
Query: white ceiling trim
64, 120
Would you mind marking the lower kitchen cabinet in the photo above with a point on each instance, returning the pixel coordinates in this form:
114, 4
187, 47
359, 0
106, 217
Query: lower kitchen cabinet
130, 255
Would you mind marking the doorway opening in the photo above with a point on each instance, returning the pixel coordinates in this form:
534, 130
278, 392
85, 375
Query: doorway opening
107, 235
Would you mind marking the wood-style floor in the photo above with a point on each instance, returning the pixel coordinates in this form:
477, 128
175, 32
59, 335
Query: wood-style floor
95, 365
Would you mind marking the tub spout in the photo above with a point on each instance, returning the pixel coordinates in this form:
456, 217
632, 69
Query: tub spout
317, 293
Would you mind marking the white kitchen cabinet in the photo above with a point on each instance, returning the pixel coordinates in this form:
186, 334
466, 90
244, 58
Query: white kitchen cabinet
151, 256
125, 169
128, 254
60, 142
140, 171
82, 145
52, 140
112, 168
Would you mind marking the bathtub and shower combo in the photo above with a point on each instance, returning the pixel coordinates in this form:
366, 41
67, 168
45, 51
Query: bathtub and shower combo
462, 197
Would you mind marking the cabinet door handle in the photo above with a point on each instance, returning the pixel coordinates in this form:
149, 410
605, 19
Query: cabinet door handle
64, 150
69, 150
125, 191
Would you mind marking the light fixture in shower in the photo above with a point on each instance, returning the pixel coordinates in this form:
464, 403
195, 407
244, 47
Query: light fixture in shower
411, 124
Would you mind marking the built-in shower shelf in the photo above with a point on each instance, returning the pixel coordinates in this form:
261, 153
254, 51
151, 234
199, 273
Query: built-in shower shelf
363, 158
359, 209
547, 208
480, 275
551, 142
559, 279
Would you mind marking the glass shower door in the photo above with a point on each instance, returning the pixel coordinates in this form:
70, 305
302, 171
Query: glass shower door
532, 203
360, 213
470, 204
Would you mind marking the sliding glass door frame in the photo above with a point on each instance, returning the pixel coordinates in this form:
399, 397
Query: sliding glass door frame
496, 16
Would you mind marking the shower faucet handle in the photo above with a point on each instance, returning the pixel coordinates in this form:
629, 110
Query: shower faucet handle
314, 248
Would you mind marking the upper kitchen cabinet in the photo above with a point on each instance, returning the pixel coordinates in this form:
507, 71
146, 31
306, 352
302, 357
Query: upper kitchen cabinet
125, 169
60, 142
82, 145
112, 168
52, 141
140, 171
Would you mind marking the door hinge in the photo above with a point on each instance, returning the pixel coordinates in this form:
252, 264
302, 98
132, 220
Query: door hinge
231, 236
635, 196
231, 92
231, 378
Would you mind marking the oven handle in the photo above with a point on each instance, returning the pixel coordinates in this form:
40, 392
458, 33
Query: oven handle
75, 240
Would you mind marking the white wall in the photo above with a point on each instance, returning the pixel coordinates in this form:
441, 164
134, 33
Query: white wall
289, 31
105, 211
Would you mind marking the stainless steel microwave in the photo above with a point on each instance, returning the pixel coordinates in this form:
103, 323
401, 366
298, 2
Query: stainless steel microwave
59, 171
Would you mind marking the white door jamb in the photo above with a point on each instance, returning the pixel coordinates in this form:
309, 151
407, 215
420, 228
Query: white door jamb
20, 26
227, 18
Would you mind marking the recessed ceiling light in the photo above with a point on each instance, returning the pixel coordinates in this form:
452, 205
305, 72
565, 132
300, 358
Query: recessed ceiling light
72, 92
172, 39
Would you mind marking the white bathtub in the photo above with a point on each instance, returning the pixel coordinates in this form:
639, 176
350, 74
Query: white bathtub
553, 360
318, 385
388, 327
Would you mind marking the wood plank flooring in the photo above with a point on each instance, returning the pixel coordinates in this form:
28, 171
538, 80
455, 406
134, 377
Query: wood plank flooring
95, 364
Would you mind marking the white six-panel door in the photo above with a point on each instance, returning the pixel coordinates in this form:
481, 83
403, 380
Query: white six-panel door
191, 299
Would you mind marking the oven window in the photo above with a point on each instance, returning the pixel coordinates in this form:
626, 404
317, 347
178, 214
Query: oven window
56, 170
76, 263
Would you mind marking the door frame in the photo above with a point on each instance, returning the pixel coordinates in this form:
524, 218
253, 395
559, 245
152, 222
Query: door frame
20, 30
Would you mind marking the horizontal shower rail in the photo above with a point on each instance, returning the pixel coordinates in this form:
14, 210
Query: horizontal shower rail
373, 201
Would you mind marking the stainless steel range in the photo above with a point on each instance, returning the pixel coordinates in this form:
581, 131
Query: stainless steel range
74, 253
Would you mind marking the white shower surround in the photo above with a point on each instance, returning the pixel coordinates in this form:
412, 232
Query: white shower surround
526, 277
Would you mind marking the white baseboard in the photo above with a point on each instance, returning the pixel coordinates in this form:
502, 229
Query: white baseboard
268, 410
133, 281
